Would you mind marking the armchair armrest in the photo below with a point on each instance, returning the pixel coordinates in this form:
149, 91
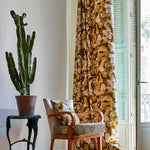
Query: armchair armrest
94, 111
62, 113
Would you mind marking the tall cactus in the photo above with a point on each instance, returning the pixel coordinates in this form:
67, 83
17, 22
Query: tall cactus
26, 72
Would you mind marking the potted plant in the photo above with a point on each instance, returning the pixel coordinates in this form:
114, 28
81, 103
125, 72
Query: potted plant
24, 76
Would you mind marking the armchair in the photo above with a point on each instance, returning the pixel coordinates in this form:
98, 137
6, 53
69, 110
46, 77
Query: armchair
73, 131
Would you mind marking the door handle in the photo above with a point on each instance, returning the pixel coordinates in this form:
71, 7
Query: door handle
139, 82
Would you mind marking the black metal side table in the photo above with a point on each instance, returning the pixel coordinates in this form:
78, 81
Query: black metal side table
32, 124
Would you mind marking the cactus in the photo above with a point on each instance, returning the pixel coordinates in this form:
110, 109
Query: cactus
24, 76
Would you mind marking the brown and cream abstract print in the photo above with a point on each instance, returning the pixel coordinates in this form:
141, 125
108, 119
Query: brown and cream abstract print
94, 73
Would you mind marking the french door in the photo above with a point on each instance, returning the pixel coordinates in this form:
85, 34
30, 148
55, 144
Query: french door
143, 75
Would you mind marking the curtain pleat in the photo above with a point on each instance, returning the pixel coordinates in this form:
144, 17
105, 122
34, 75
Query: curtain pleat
94, 70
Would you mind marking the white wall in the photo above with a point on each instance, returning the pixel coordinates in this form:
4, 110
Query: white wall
48, 19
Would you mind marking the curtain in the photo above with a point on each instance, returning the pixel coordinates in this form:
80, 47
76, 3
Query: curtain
94, 70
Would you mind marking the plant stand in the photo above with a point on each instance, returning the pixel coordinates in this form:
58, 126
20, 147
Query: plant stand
32, 124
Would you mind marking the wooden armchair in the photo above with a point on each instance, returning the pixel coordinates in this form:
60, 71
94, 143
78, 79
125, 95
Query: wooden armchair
73, 132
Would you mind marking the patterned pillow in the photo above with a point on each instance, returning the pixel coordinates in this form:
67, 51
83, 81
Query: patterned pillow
64, 119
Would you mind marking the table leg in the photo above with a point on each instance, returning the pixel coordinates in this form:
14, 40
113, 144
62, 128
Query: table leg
30, 126
35, 129
8, 125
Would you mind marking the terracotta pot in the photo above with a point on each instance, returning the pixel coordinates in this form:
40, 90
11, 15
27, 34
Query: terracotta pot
26, 105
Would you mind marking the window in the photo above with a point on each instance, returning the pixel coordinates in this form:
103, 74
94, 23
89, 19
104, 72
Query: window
120, 33
124, 30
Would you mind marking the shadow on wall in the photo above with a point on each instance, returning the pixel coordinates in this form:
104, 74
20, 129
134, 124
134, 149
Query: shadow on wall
15, 131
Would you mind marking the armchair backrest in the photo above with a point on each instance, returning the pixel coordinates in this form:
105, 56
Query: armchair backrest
49, 110
53, 121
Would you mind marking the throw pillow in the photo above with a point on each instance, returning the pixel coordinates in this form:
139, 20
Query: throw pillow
64, 119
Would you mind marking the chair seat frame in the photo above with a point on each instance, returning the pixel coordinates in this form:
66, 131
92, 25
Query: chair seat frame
71, 137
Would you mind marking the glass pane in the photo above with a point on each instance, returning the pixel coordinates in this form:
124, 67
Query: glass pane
145, 61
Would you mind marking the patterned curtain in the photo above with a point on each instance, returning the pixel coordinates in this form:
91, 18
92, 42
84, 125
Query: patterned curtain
94, 73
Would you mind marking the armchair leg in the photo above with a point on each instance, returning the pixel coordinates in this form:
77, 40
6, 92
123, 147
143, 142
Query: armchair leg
73, 144
99, 143
70, 143
52, 143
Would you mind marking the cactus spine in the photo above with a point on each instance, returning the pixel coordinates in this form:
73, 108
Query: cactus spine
26, 72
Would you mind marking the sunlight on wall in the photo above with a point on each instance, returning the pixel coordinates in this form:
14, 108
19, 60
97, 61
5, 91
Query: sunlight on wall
73, 45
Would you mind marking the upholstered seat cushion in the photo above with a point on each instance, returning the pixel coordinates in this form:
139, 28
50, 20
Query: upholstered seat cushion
82, 129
